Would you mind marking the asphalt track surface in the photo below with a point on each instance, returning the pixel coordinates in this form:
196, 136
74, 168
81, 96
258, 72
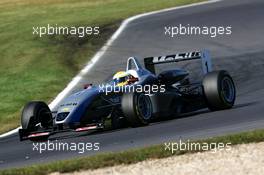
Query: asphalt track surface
241, 53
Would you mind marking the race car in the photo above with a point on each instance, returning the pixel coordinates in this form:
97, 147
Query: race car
127, 102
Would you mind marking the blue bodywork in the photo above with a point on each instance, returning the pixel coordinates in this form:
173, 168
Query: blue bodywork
93, 104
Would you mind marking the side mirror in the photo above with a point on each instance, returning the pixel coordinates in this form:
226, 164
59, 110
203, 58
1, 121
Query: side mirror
87, 86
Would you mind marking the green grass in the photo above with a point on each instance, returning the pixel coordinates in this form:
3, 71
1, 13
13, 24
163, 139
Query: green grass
33, 68
128, 157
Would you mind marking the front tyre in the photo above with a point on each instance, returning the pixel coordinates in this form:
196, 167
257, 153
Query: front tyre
219, 90
137, 108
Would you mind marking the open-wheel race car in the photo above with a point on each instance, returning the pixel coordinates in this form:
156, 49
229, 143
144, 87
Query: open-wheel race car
126, 102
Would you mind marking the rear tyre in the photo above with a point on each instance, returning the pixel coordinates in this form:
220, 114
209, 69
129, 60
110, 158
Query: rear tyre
219, 90
35, 113
137, 108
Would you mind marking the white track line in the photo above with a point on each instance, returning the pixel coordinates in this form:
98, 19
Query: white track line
77, 79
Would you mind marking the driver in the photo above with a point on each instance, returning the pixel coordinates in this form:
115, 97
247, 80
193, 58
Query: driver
123, 78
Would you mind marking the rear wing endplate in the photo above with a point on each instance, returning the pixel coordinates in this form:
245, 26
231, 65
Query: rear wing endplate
150, 62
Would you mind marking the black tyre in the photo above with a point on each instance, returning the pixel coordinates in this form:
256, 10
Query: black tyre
137, 108
34, 113
219, 90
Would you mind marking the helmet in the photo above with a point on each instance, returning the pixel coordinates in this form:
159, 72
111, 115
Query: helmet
120, 78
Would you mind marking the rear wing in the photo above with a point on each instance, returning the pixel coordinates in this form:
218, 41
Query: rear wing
150, 62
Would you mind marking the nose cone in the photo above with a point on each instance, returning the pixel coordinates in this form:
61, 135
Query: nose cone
72, 107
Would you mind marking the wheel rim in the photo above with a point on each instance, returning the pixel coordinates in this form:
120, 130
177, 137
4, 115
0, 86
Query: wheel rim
228, 89
144, 106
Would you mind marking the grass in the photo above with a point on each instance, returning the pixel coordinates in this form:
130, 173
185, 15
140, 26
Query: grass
128, 157
33, 68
